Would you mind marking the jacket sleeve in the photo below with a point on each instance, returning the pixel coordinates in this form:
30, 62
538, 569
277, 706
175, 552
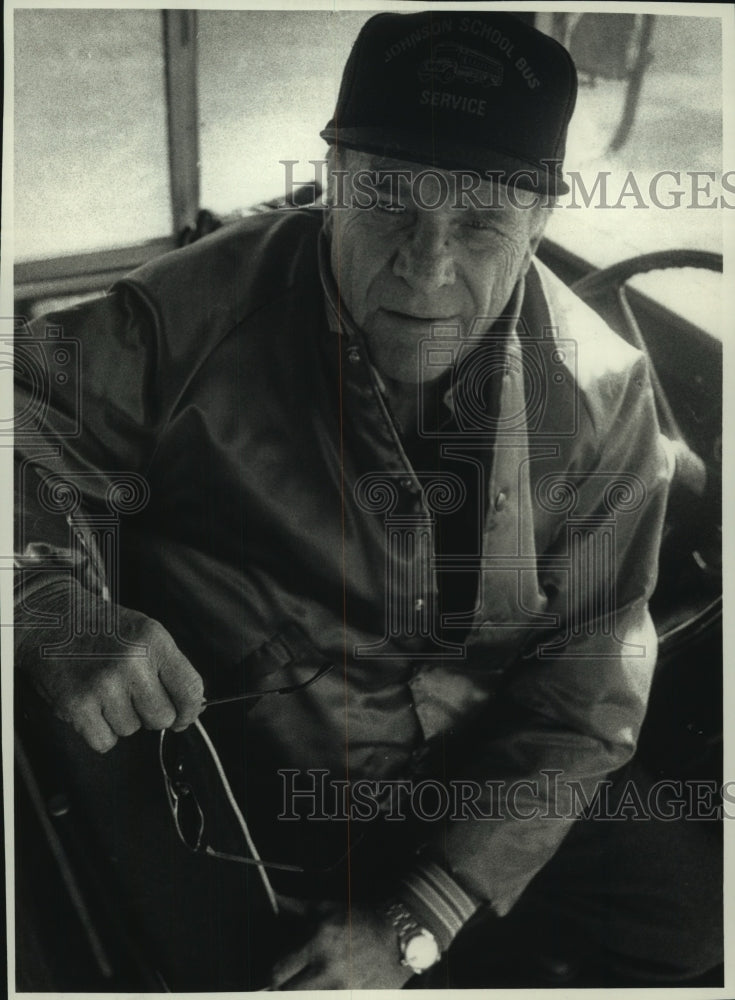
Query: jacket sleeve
97, 384
89, 405
571, 706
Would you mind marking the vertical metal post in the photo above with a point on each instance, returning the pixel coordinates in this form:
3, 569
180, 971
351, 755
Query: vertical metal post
180, 66
635, 84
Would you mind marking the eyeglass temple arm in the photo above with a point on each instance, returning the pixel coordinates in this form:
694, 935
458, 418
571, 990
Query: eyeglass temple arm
289, 689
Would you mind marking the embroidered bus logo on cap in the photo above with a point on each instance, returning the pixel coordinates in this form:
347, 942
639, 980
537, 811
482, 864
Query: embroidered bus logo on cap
455, 62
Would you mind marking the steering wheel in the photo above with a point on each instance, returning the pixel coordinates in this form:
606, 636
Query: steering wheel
697, 486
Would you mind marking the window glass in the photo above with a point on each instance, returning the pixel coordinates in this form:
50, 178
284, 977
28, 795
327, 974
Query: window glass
91, 148
654, 180
91, 167
268, 84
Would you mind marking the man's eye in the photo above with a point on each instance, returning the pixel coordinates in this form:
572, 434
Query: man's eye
391, 207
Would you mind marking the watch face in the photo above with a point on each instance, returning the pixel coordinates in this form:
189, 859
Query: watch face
421, 951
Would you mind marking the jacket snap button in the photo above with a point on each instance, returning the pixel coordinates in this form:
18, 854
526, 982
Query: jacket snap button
353, 355
58, 805
500, 501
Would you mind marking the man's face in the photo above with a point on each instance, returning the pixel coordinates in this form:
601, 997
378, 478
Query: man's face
402, 268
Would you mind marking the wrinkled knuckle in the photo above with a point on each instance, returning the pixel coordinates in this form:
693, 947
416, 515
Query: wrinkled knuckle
146, 634
158, 637
142, 683
153, 629
109, 674
109, 683
141, 675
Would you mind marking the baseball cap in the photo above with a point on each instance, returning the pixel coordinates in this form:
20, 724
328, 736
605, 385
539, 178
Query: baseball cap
461, 90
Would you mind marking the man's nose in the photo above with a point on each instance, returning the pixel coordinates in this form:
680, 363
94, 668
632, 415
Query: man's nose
424, 259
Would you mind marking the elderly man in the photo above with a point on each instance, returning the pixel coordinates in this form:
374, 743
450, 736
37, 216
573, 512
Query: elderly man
373, 487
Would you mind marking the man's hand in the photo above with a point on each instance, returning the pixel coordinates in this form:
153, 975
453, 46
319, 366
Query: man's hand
105, 698
348, 949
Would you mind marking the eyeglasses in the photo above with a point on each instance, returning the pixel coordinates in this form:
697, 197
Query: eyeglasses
185, 807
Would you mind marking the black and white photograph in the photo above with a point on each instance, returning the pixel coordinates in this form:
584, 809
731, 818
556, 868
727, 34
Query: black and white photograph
363, 446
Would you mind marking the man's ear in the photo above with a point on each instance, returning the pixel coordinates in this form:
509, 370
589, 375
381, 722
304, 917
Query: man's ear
539, 226
536, 240
529, 253
532, 248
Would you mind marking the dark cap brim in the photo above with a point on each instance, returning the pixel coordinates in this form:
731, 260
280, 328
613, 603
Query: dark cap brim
400, 144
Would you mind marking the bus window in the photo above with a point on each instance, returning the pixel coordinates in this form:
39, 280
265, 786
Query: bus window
646, 166
90, 130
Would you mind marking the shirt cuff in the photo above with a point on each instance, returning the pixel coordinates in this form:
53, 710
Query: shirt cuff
30, 587
48, 569
437, 901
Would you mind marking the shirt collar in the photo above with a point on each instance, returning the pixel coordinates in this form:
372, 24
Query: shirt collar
338, 316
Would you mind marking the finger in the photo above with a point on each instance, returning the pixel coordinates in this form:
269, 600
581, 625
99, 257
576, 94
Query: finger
312, 979
89, 722
184, 686
120, 716
295, 907
152, 703
289, 966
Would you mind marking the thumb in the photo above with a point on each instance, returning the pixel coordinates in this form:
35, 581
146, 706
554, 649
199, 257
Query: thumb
294, 907
183, 685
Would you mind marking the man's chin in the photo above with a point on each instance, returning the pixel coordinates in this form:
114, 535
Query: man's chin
403, 354
410, 375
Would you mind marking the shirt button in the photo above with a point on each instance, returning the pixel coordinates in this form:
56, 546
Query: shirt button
353, 355
500, 501
58, 805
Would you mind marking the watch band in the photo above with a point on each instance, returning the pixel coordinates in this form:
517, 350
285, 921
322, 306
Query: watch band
436, 900
418, 947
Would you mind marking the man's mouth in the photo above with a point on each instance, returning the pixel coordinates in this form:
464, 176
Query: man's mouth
417, 317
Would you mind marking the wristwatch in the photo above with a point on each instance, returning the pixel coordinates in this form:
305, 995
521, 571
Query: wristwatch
418, 947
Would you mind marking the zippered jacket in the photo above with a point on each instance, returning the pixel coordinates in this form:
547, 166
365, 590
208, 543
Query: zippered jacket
222, 423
